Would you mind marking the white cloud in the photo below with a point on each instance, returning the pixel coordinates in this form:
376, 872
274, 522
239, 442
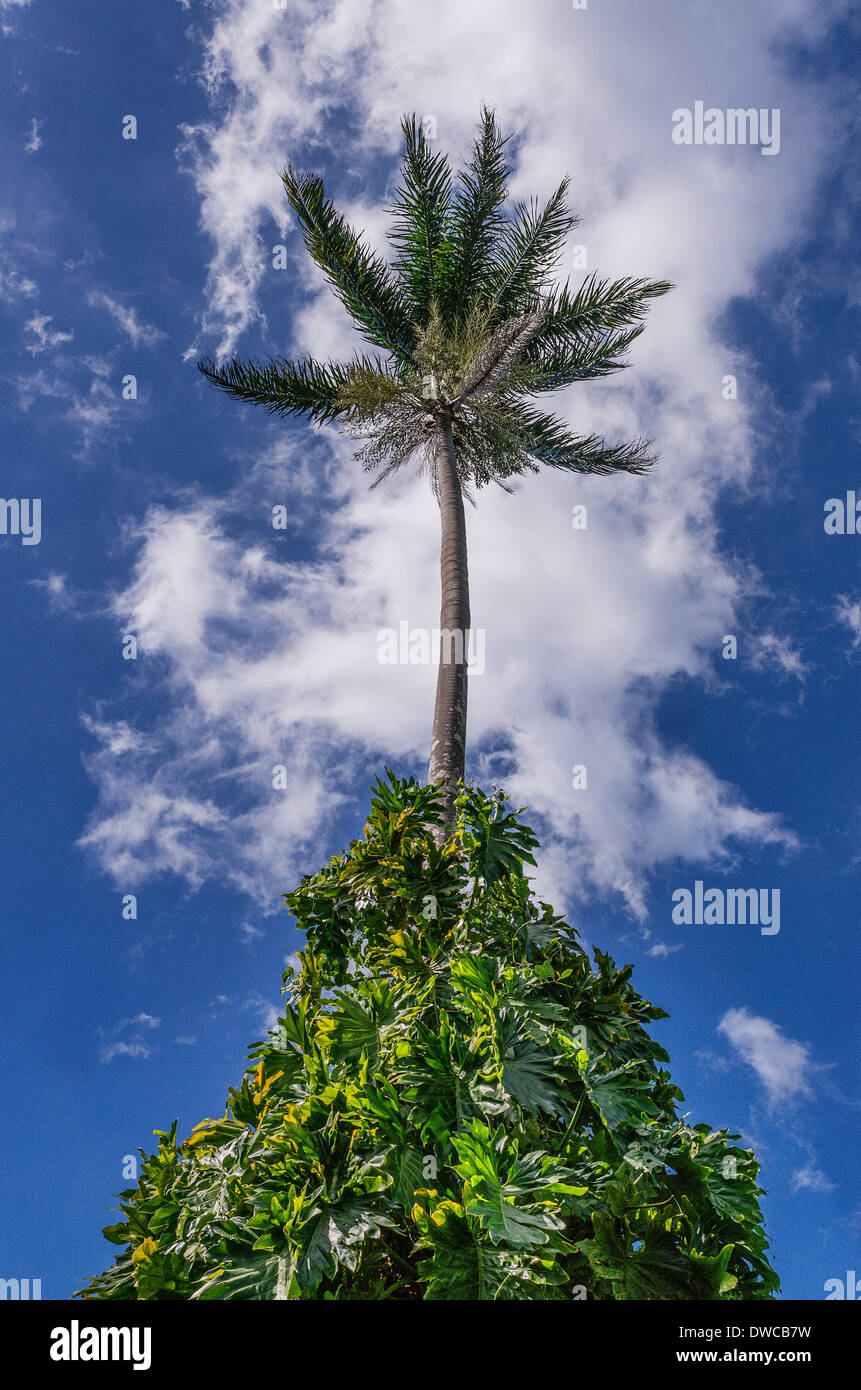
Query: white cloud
132, 1046
781, 1064
14, 284
34, 140
124, 1049
848, 613
43, 337
116, 738
149, 832
94, 414
139, 334
253, 53
266, 1013
276, 663
659, 949
56, 590
811, 1179
770, 649
712, 1061
37, 386
96, 409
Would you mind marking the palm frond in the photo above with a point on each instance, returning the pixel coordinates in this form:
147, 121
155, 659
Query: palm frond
369, 390
392, 442
286, 388
468, 258
597, 306
422, 212
361, 280
488, 443
530, 249
550, 441
596, 354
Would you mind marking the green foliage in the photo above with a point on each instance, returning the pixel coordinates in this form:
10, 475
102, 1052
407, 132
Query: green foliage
467, 321
455, 1105
372, 296
288, 388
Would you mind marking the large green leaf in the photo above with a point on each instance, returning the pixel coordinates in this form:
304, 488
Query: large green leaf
495, 1183
461, 1265
499, 843
621, 1096
529, 1073
654, 1268
262, 1278
332, 1238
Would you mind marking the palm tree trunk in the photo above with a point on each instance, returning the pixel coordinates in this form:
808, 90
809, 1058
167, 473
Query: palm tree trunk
448, 741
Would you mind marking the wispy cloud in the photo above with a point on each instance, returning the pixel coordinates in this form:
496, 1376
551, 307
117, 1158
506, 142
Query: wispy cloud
712, 1061
55, 588
124, 1049
95, 413
133, 1044
811, 1179
265, 1012
7, 29
39, 385
117, 737
34, 140
848, 613
772, 650
782, 1064
139, 334
14, 284
42, 337
96, 409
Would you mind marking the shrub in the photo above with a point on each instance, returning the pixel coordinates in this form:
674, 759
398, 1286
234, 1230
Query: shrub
455, 1105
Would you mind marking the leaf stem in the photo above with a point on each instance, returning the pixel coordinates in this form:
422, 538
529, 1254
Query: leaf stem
573, 1119
395, 1256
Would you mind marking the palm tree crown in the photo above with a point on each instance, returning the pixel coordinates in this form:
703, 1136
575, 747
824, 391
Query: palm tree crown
469, 327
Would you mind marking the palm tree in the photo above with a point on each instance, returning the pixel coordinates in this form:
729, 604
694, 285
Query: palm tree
469, 326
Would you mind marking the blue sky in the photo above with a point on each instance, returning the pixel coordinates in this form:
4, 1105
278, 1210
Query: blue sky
257, 647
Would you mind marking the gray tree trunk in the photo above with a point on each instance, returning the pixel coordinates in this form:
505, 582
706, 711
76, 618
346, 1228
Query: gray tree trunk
448, 741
